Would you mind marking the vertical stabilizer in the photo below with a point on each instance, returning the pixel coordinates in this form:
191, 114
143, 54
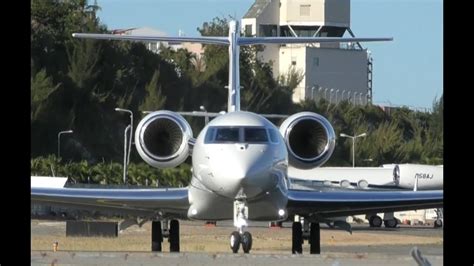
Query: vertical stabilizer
234, 82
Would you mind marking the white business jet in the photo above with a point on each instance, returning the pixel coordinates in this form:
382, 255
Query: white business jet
239, 166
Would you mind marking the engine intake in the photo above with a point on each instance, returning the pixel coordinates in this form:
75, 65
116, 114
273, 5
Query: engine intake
162, 139
310, 139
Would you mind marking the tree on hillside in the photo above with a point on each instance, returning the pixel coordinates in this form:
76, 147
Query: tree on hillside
154, 100
41, 89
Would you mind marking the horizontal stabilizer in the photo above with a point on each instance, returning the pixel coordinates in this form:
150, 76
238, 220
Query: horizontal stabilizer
294, 40
205, 40
210, 114
200, 114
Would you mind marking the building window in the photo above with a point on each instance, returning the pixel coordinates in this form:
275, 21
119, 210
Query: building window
304, 10
248, 30
293, 60
268, 31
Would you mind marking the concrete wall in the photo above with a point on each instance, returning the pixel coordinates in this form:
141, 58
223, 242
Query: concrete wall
337, 13
289, 55
321, 12
249, 21
271, 14
290, 12
341, 69
271, 53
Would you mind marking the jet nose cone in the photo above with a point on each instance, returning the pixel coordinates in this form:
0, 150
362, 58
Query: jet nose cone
250, 177
241, 168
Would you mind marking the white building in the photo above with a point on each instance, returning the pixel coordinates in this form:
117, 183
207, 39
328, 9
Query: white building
331, 71
154, 46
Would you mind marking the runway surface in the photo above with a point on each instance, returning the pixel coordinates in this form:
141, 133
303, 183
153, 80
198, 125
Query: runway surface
120, 258
209, 246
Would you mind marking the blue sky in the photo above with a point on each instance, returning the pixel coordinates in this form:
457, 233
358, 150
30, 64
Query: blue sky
407, 71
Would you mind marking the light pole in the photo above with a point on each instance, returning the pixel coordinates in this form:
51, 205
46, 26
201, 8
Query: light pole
353, 144
127, 155
125, 163
59, 140
312, 93
206, 118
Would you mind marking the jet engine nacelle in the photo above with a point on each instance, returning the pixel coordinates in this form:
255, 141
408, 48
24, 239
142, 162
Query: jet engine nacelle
310, 139
162, 139
406, 175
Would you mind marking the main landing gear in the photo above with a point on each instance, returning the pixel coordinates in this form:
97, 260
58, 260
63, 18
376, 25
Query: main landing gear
240, 237
304, 230
160, 230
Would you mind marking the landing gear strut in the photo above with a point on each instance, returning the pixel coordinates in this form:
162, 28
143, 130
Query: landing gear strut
315, 239
159, 230
313, 236
156, 236
240, 221
297, 238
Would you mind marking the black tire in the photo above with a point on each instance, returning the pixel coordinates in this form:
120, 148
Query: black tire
315, 239
438, 223
297, 238
392, 223
246, 241
235, 241
156, 236
174, 236
375, 221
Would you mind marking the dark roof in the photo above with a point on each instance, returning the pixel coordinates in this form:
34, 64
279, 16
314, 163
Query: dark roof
257, 8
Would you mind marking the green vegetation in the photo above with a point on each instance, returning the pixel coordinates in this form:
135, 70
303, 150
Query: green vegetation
76, 84
111, 173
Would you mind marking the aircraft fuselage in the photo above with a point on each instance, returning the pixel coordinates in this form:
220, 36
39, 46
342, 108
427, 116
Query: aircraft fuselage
239, 155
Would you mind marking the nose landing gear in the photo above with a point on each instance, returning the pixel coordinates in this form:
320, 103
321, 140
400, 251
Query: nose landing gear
240, 221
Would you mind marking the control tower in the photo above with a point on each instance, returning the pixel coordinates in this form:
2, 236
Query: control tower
331, 71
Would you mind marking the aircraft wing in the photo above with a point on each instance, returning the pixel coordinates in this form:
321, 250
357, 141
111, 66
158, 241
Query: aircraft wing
334, 203
159, 202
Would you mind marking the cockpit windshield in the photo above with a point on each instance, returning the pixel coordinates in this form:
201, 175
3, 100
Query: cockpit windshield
236, 134
255, 134
227, 134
